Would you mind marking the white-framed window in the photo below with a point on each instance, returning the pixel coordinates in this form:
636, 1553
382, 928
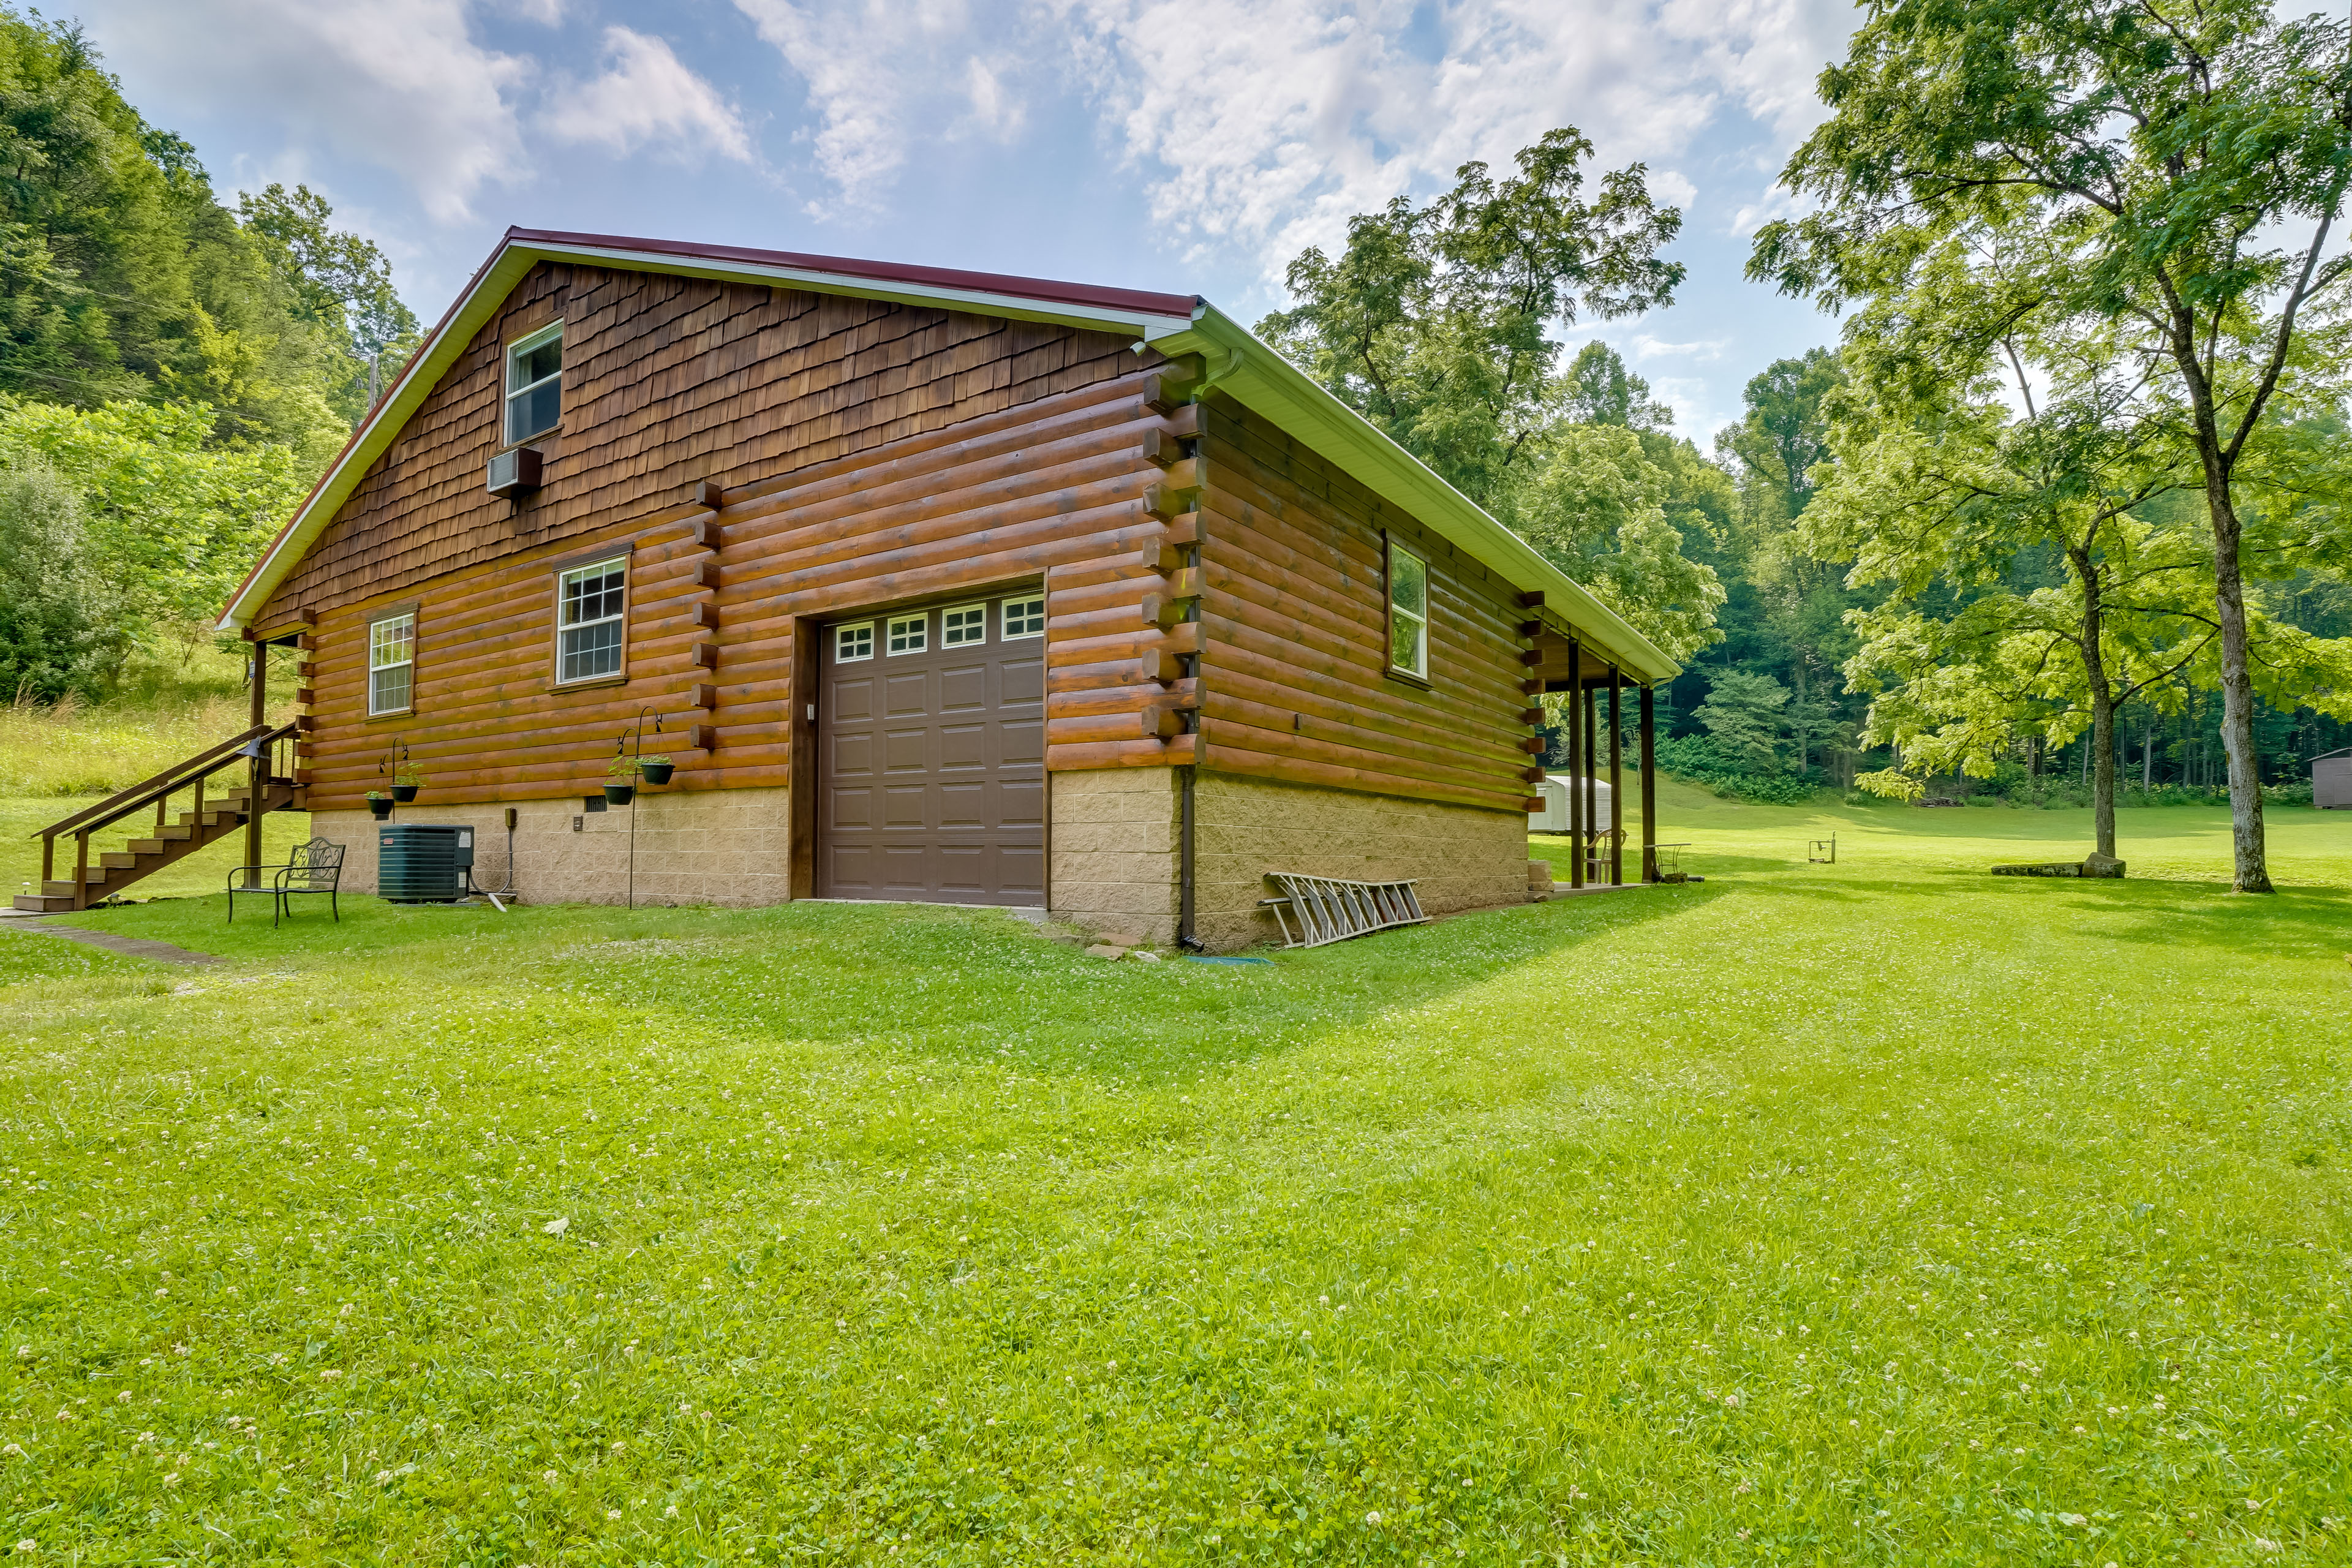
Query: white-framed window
1024, 617
591, 621
964, 625
851, 644
534, 383
392, 663
1408, 611
910, 634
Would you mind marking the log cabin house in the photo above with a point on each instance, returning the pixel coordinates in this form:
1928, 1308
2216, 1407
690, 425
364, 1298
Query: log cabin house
940, 586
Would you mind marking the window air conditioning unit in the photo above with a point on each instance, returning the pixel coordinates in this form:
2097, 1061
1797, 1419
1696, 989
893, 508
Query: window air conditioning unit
514, 473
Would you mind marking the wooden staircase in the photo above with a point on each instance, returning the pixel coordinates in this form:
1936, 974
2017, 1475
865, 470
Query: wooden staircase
208, 818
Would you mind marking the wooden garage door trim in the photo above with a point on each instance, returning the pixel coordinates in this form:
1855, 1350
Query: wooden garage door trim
931, 780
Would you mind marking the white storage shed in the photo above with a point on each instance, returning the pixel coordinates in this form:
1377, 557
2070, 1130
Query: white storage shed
1554, 819
2331, 781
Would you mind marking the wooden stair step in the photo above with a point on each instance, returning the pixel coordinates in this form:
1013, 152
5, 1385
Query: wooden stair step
43, 903
118, 860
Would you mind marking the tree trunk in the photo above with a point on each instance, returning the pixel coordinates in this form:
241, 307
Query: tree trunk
2253, 872
2147, 754
1803, 727
2099, 760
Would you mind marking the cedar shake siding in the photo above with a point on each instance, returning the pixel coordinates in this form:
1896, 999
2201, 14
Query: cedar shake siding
669, 381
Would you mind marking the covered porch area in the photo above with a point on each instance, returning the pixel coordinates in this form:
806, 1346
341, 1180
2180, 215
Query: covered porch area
1561, 663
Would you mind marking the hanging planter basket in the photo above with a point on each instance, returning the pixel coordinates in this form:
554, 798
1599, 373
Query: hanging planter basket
403, 793
619, 795
655, 773
380, 807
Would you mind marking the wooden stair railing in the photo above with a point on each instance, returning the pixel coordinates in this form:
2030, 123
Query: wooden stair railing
207, 822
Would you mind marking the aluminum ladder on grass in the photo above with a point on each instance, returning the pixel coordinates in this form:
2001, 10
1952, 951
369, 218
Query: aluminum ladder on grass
1329, 910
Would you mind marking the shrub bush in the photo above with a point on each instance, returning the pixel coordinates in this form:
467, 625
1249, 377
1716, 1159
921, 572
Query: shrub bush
1695, 758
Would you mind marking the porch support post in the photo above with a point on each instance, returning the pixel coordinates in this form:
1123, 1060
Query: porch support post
1575, 766
257, 775
1585, 704
1616, 781
1649, 787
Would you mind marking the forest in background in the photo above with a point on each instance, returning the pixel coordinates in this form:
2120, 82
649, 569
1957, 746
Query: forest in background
1919, 634
174, 372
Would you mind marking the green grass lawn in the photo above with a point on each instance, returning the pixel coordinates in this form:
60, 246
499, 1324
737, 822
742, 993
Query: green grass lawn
1882, 1213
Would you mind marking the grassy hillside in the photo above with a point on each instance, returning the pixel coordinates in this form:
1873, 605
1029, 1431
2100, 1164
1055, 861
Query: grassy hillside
56, 760
1882, 1213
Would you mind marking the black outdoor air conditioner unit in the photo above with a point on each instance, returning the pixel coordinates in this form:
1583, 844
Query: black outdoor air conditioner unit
514, 473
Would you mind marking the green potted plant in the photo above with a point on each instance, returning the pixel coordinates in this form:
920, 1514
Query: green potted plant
405, 784
618, 791
379, 805
655, 770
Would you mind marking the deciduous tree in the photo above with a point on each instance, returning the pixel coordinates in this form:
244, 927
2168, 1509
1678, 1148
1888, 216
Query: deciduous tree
2175, 166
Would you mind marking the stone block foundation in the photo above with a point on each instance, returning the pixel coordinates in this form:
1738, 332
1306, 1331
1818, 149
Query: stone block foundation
1463, 857
1112, 848
1116, 852
699, 846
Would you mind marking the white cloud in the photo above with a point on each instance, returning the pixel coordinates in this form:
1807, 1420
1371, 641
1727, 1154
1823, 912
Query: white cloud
1768, 54
882, 74
645, 95
1263, 127
397, 84
1268, 126
1645, 347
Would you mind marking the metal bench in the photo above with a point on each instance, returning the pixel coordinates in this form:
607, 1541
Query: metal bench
313, 868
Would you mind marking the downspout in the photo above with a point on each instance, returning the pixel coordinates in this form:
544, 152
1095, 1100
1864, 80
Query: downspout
1186, 774
1185, 937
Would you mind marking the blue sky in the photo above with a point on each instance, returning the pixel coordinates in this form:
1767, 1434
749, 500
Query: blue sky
1191, 146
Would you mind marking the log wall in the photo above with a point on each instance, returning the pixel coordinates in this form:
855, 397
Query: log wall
1293, 617
873, 456
1050, 491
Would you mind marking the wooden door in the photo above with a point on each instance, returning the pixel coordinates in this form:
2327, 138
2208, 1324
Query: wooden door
931, 753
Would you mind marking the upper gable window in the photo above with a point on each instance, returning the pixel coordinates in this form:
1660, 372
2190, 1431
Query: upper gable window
535, 383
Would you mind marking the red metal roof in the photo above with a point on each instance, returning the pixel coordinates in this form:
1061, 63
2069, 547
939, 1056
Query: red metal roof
1041, 289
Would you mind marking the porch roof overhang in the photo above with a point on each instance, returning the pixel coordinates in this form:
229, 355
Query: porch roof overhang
1237, 363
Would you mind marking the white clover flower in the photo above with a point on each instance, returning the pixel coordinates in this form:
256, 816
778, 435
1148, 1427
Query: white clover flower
173, 1479
551, 1478
612, 1513
1373, 1517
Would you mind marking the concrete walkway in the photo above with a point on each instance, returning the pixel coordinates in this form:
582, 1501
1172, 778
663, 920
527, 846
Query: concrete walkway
128, 946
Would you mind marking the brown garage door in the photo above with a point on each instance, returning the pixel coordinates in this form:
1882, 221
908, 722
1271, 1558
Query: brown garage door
931, 773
